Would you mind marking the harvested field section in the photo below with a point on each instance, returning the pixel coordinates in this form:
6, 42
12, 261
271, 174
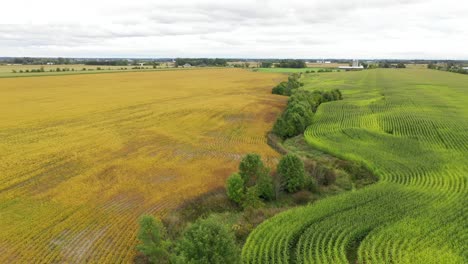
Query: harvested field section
83, 156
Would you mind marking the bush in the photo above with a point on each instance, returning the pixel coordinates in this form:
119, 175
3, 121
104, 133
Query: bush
251, 198
151, 236
208, 241
250, 168
292, 173
302, 197
235, 187
310, 183
330, 177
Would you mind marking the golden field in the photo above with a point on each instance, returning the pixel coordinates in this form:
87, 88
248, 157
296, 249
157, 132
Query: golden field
83, 156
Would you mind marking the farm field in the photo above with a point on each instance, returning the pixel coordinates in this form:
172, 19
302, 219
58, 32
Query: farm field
83, 156
409, 126
6, 71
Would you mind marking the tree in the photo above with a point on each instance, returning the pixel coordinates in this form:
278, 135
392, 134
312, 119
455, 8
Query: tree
292, 173
235, 187
151, 236
265, 186
208, 241
250, 168
401, 65
266, 64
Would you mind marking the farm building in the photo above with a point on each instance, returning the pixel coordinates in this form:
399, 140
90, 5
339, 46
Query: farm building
354, 67
187, 65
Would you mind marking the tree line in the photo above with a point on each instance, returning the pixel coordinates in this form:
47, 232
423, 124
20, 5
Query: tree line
450, 66
284, 64
301, 106
201, 62
286, 88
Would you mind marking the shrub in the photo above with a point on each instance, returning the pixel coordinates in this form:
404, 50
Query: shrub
151, 236
302, 197
292, 173
235, 187
330, 177
208, 241
310, 183
251, 198
265, 186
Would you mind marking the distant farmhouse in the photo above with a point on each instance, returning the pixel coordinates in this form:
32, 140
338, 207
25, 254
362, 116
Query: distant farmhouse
186, 65
465, 68
355, 66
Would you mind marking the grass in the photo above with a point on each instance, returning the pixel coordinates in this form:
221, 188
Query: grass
409, 127
83, 156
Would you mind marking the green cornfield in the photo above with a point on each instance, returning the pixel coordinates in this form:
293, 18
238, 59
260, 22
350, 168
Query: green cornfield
410, 127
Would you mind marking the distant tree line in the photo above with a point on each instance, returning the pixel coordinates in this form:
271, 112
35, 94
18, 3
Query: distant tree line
449, 66
107, 62
386, 64
40, 61
291, 64
201, 62
266, 64
283, 64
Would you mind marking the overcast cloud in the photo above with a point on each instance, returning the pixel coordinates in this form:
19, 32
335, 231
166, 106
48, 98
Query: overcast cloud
427, 29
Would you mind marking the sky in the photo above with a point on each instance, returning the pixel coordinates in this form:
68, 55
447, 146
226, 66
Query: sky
373, 29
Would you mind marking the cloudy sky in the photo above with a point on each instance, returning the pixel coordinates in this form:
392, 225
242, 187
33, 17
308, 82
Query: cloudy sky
428, 29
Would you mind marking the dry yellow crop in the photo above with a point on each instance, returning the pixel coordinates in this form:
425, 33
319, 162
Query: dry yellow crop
83, 156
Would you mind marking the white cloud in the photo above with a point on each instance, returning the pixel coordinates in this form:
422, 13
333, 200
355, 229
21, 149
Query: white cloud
213, 28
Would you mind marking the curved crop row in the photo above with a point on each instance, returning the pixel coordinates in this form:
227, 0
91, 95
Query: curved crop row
414, 138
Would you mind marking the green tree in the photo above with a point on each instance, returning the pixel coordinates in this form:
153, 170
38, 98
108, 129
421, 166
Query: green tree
266, 64
235, 187
207, 241
265, 186
250, 167
292, 172
152, 244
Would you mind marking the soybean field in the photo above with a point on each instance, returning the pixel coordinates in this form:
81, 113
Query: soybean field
83, 156
410, 127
